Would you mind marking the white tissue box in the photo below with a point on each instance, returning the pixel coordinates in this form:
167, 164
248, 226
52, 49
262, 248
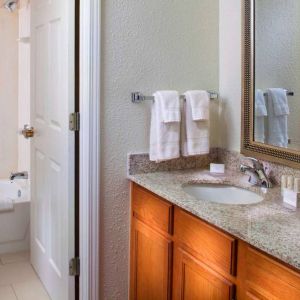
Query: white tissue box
290, 197
217, 168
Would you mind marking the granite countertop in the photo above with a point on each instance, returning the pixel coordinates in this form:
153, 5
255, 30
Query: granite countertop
268, 225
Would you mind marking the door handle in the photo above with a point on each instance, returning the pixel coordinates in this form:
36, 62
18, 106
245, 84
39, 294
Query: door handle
28, 131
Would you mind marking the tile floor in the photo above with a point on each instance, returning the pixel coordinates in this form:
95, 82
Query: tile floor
18, 280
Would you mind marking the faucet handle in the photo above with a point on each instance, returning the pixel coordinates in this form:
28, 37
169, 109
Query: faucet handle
256, 163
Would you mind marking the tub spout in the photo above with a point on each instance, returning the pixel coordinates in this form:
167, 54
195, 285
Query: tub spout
21, 175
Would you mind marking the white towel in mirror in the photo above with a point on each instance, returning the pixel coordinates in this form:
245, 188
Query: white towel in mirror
278, 112
260, 114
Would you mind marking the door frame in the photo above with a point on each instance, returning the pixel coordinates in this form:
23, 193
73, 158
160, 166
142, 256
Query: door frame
89, 144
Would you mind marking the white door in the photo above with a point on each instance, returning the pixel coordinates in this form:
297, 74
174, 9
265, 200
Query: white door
52, 147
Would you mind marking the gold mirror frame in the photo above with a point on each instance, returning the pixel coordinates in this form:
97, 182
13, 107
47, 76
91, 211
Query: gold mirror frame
248, 146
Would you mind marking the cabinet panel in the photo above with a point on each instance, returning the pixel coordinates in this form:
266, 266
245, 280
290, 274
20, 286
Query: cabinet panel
152, 209
270, 279
217, 249
251, 295
151, 263
193, 280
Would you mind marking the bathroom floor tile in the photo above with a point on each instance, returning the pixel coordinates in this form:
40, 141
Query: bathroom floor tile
14, 257
16, 273
30, 290
7, 293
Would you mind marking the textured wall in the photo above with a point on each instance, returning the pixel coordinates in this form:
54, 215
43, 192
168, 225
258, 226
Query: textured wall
277, 53
230, 73
8, 92
147, 46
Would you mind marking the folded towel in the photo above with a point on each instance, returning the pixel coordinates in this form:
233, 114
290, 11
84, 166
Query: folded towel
195, 133
199, 101
260, 113
277, 133
164, 134
6, 204
280, 101
170, 105
260, 104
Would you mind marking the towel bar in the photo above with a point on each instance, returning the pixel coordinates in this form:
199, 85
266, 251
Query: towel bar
288, 93
137, 97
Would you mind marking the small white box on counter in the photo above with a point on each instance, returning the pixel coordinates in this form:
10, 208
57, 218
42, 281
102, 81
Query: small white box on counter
290, 197
217, 168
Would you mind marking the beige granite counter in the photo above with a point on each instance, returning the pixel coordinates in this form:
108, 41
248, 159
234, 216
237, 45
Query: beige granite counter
268, 225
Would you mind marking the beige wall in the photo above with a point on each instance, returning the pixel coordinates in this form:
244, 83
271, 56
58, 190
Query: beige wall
24, 88
147, 46
230, 73
8, 92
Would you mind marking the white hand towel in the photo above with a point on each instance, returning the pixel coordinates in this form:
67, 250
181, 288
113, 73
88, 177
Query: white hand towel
260, 104
195, 133
260, 113
277, 123
199, 101
165, 135
280, 101
170, 105
6, 204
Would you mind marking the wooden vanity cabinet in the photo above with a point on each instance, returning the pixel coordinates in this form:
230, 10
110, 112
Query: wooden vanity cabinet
151, 246
175, 255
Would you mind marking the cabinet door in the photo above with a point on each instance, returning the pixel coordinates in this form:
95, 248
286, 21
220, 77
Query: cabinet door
151, 263
193, 280
266, 278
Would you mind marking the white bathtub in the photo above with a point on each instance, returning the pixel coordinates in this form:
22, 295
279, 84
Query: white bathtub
14, 225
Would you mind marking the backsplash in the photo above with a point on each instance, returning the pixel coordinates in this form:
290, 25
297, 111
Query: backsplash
232, 161
140, 163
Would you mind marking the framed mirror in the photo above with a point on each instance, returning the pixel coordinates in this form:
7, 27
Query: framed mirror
271, 81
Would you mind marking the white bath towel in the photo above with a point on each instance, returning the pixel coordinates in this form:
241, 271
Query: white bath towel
165, 133
6, 204
278, 112
195, 124
260, 114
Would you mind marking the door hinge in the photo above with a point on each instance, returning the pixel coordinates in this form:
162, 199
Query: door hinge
74, 121
74, 266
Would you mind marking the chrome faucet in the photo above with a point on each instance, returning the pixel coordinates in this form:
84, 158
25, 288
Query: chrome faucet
257, 173
21, 175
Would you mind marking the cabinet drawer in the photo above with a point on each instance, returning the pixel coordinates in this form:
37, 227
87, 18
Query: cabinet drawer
212, 246
152, 209
269, 278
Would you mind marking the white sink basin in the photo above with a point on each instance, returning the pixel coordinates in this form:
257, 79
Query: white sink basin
224, 194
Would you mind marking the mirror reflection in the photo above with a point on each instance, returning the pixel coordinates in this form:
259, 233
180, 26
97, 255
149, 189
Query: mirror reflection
277, 73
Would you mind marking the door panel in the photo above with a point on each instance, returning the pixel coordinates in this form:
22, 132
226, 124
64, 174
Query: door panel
150, 264
192, 280
52, 148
